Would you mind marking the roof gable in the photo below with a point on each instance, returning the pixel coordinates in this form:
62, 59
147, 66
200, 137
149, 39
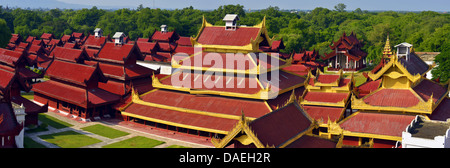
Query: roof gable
64, 71
118, 53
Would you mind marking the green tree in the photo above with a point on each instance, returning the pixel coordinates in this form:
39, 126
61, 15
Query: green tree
442, 71
340, 7
5, 33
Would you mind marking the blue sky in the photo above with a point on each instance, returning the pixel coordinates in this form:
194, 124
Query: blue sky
403, 5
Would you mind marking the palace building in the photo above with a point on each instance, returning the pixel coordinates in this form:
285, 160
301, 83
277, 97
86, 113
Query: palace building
77, 94
229, 84
347, 54
201, 99
395, 93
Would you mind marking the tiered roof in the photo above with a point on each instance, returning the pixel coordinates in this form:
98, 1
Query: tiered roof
210, 107
275, 129
326, 96
79, 88
395, 87
349, 46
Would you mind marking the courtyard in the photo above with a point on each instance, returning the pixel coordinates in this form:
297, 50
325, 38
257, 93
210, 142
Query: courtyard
56, 131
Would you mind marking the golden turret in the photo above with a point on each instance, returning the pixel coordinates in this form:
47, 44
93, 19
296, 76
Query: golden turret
387, 48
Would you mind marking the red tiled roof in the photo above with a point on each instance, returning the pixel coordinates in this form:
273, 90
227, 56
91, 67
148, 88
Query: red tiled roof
185, 49
285, 80
327, 78
77, 35
118, 53
30, 39
325, 97
147, 47
30, 107
74, 94
378, 123
68, 54
215, 104
240, 61
426, 88
7, 77
219, 36
125, 72
118, 88
65, 71
164, 36
324, 113
65, 38
184, 41
368, 87
442, 112
234, 84
307, 141
297, 69
392, 98
280, 125
10, 57
281, 99
47, 36
93, 41
188, 119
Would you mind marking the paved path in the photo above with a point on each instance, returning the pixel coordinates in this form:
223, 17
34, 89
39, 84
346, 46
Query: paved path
105, 141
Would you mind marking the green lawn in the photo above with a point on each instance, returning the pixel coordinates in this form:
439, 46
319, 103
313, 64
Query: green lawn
29, 96
52, 121
135, 142
177, 146
105, 131
29, 143
69, 139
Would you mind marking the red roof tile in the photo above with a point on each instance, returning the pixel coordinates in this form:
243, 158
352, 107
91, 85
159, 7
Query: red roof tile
203, 81
10, 57
219, 36
164, 36
307, 141
378, 123
442, 112
96, 42
119, 53
280, 125
325, 97
392, 98
75, 95
147, 47
324, 113
188, 119
68, 54
215, 104
47, 36
30, 107
64, 71
426, 88
7, 77
125, 72
184, 41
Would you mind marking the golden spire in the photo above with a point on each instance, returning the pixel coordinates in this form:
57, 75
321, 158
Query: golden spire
387, 47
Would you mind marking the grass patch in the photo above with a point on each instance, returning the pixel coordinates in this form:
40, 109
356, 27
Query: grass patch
30, 143
105, 131
177, 146
135, 142
69, 139
29, 95
52, 121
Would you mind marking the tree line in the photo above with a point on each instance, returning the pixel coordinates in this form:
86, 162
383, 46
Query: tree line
316, 29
